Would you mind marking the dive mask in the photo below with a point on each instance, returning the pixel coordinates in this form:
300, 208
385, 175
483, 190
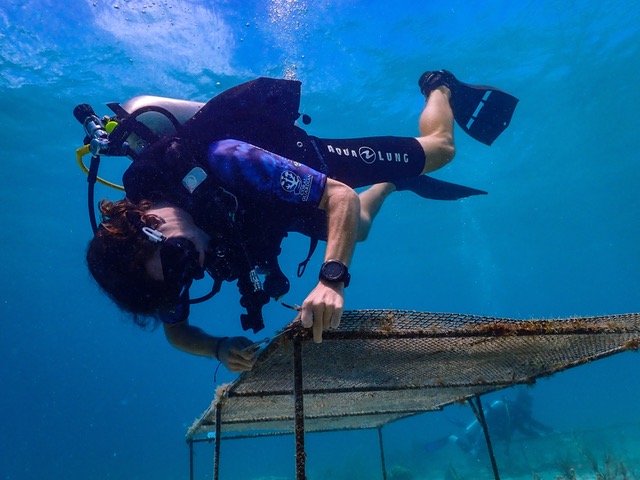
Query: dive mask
180, 263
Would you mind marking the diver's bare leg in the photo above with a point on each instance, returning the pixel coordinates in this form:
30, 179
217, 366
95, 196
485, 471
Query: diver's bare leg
436, 137
436, 130
371, 201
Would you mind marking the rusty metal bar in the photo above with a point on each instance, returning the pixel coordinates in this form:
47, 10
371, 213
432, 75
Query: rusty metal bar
218, 439
384, 466
190, 460
479, 413
379, 388
298, 399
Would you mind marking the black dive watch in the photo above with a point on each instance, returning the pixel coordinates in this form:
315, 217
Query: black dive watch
334, 271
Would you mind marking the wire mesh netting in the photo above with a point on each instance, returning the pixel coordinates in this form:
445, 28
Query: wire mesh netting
383, 365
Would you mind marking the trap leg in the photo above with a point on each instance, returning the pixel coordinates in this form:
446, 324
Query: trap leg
298, 399
479, 413
190, 459
216, 455
384, 467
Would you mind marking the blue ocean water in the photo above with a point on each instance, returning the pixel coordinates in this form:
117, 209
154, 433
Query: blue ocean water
87, 395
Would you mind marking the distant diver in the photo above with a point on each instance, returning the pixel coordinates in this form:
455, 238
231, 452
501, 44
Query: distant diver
505, 419
215, 188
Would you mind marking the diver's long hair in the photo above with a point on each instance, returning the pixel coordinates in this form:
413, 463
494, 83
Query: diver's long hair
117, 257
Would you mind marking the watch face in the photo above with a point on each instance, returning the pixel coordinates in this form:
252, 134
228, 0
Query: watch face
333, 270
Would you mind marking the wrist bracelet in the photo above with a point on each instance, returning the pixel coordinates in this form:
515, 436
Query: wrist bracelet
222, 339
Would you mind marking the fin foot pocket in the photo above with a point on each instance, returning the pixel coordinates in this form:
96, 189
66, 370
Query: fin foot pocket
483, 112
431, 80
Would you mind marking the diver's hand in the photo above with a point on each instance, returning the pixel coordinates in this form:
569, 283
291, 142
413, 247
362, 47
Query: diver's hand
323, 308
234, 354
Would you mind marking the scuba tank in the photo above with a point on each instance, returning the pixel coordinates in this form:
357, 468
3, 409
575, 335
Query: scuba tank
160, 115
137, 123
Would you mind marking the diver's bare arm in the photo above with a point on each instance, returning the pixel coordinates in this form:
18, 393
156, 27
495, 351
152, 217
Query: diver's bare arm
231, 351
323, 307
191, 339
342, 205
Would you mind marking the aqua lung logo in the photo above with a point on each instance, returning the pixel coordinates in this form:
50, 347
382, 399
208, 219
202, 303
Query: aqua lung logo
368, 155
291, 182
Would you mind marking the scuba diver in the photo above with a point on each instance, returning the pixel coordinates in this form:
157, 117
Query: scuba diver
505, 419
215, 188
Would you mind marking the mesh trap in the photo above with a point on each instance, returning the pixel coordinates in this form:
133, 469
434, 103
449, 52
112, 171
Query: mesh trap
383, 365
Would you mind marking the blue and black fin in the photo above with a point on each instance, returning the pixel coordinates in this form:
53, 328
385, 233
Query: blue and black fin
431, 188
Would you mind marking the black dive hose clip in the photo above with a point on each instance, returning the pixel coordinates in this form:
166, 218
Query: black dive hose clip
252, 298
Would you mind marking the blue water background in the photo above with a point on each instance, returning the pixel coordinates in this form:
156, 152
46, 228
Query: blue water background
86, 395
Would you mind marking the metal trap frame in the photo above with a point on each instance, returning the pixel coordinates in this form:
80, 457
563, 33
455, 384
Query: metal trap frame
381, 366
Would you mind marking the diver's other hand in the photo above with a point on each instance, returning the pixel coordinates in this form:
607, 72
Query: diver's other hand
323, 308
234, 354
